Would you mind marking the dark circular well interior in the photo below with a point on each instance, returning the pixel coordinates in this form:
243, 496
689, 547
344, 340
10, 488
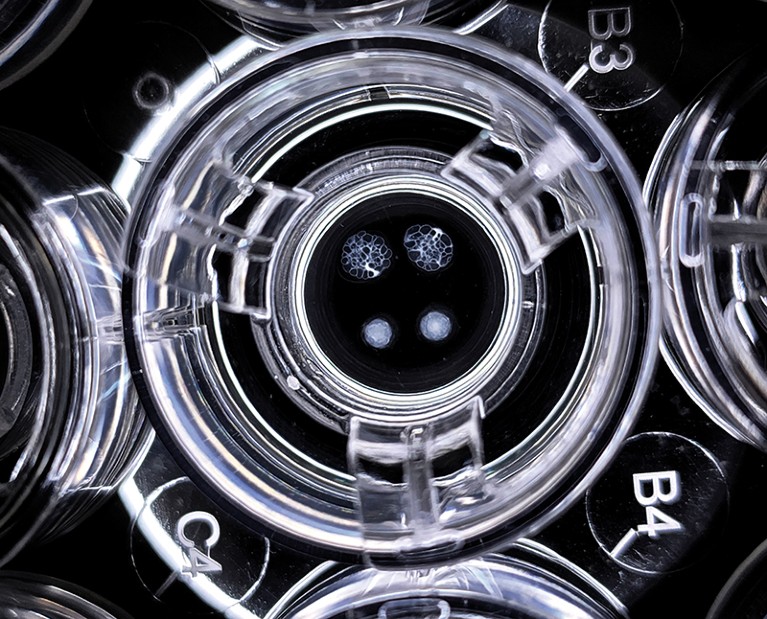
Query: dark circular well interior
442, 293
564, 316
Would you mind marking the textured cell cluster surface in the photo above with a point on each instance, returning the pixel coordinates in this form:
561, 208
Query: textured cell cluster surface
365, 255
429, 248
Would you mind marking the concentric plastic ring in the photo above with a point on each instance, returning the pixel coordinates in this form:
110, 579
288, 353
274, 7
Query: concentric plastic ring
71, 426
709, 192
31, 31
288, 18
743, 595
247, 365
31, 595
490, 588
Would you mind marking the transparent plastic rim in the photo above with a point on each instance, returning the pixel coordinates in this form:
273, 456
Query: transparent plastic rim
30, 32
26, 452
89, 431
336, 394
491, 587
225, 154
712, 343
303, 16
35, 595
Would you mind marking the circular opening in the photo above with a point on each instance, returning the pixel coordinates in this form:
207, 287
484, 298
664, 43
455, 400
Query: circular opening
710, 195
344, 260
454, 290
152, 91
425, 265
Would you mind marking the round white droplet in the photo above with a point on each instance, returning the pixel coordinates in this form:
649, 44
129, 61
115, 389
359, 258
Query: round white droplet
436, 326
293, 383
378, 333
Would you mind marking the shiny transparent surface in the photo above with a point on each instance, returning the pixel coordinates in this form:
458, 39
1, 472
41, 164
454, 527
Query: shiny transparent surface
30, 30
708, 190
28, 388
75, 424
16, 375
488, 588
29, 596
231, 238
289, 16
